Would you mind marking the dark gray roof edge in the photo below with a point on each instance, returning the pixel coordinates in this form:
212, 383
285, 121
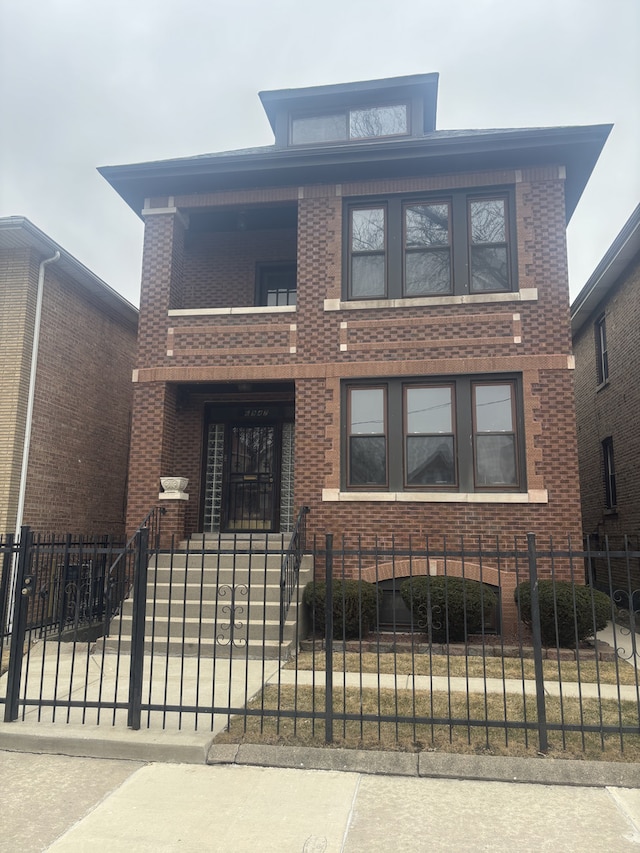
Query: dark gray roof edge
98, 288
361, 87
616, 259
271, 152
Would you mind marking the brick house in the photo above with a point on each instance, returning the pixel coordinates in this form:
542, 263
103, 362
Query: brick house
605, 322
77, 427
369, 317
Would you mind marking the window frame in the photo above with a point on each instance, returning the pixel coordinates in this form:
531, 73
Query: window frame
383, 487
446, 487
373, 253
476, 432
459, 202
463, 426
609, 472
261, 285
346, 113
602, 350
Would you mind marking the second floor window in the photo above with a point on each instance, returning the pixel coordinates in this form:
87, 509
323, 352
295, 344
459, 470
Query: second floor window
429, 247
602, 355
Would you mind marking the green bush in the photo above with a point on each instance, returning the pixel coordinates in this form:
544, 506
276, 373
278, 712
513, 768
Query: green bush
572, 606
453, 607
354, 607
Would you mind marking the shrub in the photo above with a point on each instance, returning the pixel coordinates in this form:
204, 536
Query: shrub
557, 602
453, 607
354, 607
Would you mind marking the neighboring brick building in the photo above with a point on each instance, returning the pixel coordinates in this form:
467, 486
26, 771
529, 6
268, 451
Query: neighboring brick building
369, 317
605, 320
75, 479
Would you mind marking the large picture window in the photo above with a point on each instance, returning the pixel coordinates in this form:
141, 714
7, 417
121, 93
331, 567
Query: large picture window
402, 248
460, 434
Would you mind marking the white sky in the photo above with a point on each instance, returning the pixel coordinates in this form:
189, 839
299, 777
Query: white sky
85, 83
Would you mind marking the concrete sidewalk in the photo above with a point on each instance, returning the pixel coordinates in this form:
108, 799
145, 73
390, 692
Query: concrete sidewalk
74, 805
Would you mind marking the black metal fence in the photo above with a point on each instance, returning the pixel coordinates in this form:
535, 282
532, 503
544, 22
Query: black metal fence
431, 644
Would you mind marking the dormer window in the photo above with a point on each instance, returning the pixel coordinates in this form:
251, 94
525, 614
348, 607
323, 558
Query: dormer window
350, 125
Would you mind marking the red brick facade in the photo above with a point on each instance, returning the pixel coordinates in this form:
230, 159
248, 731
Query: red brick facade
208, 349
528, 337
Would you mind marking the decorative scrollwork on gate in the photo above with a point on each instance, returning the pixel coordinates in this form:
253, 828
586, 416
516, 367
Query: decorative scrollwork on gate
227, 629
627, 623
430, 620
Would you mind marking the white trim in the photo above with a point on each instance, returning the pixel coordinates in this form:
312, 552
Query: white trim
221, 312
527, 294
158, 211
534, 496
571, 362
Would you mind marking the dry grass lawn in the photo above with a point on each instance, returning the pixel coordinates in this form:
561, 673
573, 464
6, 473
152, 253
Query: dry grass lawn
370, 731
473, 666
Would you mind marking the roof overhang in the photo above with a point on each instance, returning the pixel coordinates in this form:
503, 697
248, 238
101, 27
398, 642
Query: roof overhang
622, 252
575, 148
18, 232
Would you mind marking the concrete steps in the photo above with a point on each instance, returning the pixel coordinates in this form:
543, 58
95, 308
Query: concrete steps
216, 601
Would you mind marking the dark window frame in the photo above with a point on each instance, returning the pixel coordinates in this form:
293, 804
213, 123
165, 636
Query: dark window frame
513, 432
446, 487
261, 286
350, 435
464, 424
459, 240
602, 351
609, 471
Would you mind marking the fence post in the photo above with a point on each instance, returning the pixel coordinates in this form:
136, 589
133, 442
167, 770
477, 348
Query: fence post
4, 587
328, 640
19, 601
137, 628
537, 643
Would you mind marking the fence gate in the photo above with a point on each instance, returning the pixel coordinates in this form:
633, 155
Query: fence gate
58, 598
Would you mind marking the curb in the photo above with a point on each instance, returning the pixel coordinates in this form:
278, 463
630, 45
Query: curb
198, 748
539, 770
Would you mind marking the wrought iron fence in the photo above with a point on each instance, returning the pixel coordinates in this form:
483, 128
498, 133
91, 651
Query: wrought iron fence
427, 644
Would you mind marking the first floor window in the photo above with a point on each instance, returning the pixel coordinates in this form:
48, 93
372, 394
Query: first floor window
610, 496
367, 437
454, 434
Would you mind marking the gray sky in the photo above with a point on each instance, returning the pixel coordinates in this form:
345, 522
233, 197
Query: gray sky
85, 83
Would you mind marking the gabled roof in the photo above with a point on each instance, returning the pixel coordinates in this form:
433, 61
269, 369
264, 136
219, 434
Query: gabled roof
18, 232
575, 148
624, 249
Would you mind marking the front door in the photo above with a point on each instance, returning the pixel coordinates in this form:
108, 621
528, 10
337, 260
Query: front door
251, 481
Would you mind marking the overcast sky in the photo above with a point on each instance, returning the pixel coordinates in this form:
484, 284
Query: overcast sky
85, 83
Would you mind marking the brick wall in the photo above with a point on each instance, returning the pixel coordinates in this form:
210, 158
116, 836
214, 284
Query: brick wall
79, 444
18, 283
611, 411
314, 348
220, 268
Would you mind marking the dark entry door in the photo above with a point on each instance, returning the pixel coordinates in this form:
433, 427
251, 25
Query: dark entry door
251, 481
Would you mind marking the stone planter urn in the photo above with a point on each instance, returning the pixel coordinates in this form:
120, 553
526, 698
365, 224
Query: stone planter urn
174, 484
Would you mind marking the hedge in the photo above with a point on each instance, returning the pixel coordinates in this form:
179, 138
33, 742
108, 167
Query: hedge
454, 607
354, 607
579, 611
